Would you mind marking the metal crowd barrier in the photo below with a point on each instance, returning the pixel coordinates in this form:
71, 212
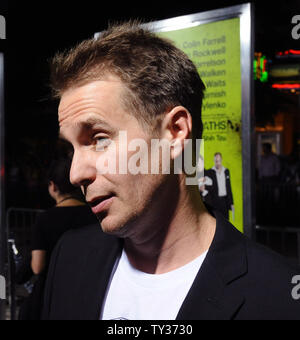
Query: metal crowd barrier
278, 217
19, 223
277, 204
283, 233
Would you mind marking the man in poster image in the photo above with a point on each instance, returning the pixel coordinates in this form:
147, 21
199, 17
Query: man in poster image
223, 198
157, 253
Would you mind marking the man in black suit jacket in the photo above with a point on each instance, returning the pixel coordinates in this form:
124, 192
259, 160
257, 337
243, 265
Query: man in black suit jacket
155, 227
221, 192
238, 280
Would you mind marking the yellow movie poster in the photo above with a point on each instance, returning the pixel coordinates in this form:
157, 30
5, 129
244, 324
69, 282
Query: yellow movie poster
214, 48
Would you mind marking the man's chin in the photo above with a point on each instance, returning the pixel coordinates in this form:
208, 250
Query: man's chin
111, 227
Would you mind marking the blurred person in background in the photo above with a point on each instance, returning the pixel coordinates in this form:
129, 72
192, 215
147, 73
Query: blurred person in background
69, 212
269, 167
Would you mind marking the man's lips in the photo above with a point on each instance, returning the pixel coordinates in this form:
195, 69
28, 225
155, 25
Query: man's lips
99, 204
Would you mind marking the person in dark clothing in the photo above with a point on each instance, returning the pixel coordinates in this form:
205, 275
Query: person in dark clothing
215, 187
222, 192
70, 212
269, 165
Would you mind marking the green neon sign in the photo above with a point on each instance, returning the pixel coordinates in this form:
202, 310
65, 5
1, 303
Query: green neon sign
260, 68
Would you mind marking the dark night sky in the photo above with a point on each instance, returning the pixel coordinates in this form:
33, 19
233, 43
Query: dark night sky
36, 31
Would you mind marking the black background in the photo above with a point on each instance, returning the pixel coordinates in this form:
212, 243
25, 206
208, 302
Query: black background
36, 30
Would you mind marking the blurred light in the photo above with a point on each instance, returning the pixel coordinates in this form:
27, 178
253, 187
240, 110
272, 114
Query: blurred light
260, 67
289, 52
286, 86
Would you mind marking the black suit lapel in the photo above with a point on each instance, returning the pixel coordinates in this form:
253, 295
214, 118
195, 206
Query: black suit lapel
213, 295
95, 278
208, 300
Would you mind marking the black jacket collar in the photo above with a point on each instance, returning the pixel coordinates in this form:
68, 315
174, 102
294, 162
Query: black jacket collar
208, 297
226, 261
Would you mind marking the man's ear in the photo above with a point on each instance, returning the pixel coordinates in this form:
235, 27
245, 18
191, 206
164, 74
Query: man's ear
176, 128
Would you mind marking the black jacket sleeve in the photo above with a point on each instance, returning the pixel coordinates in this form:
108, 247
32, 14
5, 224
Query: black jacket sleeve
46, 308
228, 189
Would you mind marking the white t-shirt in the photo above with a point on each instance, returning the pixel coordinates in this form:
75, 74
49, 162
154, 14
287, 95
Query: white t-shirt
221, 179
135, 295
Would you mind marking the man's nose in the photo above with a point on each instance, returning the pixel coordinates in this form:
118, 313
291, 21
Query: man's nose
83, 169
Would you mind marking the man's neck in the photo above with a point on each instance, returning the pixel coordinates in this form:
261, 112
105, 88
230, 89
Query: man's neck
177, 241
67, 200
219, 169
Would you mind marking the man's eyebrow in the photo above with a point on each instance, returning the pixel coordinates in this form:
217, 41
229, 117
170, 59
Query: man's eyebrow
92, 121
88, 124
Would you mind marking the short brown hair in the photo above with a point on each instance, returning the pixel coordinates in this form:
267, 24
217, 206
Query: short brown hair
156, 74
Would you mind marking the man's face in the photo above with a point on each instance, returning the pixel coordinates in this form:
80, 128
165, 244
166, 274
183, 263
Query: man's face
90, 117
218, 162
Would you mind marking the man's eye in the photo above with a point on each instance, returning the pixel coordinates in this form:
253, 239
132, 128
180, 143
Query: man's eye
102, 143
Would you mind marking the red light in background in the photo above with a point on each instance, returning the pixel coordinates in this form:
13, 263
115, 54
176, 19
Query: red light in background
289, 52
286, 86
297, 52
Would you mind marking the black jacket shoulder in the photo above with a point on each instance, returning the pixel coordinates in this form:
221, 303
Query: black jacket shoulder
238, 279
